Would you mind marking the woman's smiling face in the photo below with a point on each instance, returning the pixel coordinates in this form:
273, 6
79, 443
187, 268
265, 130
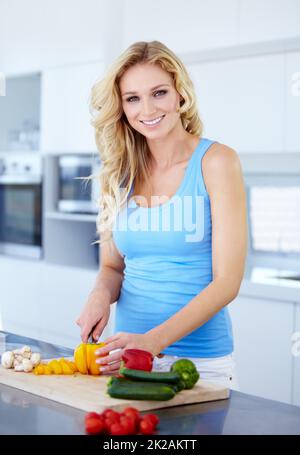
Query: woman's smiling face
148, 94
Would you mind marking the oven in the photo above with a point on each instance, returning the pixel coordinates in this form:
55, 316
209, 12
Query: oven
76, 193
21, 206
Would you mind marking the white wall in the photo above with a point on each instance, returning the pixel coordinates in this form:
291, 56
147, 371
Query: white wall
262, 20
38, 34
204, 24
183, 26
244, 102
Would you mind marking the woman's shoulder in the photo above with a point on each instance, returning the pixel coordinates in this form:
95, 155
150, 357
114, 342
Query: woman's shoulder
219, 162
219, 155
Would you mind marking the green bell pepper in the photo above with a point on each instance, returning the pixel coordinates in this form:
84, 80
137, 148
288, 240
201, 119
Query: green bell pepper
188, 372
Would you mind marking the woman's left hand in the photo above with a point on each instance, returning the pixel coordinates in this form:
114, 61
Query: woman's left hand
122, 341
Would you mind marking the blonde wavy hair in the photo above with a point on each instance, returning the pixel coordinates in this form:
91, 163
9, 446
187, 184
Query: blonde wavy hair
124, 152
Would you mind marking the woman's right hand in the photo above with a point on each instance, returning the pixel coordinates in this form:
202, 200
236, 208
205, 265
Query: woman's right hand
94, 315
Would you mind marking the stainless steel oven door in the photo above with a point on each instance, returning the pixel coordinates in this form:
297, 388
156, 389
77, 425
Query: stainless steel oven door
21, 216
74, 188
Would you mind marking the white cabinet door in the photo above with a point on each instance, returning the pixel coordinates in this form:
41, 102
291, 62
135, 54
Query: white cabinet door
20, 307
65, 116
292, 91
247, 82
262, 336
268, 20
296, 356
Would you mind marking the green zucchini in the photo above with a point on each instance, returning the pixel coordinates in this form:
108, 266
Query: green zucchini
153, 376
179, 385
138, 390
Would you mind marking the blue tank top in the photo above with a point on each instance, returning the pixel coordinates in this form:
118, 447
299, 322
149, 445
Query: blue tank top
167, 252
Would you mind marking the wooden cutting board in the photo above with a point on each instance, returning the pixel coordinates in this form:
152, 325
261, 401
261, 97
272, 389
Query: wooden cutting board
89, 392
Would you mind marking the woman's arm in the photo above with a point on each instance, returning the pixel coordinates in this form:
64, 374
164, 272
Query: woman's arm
224, 182
108, 281
110, 275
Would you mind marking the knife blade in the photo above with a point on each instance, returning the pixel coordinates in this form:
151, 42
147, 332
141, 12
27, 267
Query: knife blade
90, 339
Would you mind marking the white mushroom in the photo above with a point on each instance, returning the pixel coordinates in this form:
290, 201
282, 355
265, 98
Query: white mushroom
19, 367
27, 365
7, 359
18, 358
35, 358
26, 352
16, 362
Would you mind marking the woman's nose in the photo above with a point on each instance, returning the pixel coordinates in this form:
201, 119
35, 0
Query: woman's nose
147, 109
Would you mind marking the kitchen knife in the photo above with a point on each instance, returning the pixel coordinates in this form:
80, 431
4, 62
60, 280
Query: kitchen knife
90, 339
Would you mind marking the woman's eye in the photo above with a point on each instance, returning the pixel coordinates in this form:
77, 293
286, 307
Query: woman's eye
129, 100
161, 91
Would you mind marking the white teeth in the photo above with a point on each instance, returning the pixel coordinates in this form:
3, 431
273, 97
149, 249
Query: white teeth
153, 122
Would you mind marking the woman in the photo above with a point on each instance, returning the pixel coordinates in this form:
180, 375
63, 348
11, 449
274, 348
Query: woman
172, 274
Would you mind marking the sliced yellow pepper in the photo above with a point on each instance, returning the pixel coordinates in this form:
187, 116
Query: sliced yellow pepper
65, 367
85, 358
39, 369
47, 369
55, 367
72, 365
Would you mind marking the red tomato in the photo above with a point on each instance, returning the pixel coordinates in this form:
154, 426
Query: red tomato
130, 409
153, 418
92, 415
111, 413
134, 414
128, 423
117, 428
146, 427
94, 425
109, 421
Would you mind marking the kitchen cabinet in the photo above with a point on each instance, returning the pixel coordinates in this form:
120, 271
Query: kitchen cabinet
21, 308
292, 87
44, 300
69, 241
262, 335
20, 114
248, 80
268, 20
65, 112
296, 358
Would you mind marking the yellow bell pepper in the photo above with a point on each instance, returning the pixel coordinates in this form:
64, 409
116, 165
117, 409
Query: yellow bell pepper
55, 367
85, 358
66, 369
47, 369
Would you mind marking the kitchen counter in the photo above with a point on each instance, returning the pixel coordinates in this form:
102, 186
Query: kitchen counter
273, 283
24, 413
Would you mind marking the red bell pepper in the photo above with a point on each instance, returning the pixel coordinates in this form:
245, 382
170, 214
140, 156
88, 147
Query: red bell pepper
137, 359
